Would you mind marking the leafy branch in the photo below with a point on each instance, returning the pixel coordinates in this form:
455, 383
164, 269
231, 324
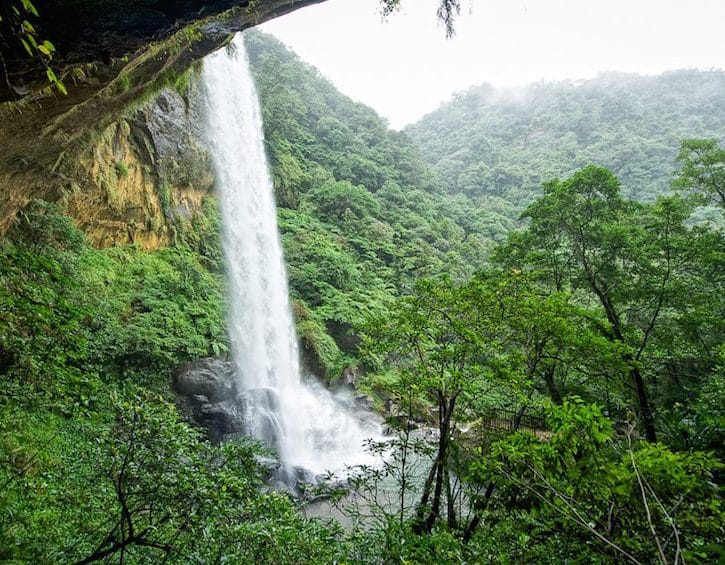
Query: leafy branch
42, 50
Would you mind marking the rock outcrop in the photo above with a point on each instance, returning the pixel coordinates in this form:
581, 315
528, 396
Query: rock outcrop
210, 385
209, 377
99, 32
120, 151
145, 176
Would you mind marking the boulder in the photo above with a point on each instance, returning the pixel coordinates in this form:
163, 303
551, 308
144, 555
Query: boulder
210, 377
221, 419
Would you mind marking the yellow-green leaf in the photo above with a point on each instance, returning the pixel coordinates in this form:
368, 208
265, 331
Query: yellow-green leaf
27, 47
28, 5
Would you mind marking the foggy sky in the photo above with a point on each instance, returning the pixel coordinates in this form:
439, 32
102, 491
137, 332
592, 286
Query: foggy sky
405, 67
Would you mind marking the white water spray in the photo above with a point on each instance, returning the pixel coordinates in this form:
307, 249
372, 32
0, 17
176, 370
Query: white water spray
304, 422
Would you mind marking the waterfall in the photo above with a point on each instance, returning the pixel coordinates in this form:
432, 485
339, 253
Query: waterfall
302, 420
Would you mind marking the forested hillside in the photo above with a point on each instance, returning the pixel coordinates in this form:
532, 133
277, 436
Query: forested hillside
499, 145
597, 328
361, 214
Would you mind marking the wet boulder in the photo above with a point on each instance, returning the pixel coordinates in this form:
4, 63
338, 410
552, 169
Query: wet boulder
210, 377
222, 420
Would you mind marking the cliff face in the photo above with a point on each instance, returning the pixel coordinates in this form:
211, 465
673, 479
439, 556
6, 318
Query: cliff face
132, 178
145, 175
122, 150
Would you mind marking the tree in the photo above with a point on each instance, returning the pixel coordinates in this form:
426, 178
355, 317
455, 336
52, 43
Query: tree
703, 170
544, 330
447, 347
548, 341
166, 481
616, 254
176, 498
639, 503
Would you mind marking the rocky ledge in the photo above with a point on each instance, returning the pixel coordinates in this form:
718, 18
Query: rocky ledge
99, 32
82, 149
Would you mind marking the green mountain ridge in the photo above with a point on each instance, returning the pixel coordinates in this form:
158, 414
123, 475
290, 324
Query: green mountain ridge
499, 145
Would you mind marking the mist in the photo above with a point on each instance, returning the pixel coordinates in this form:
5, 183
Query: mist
405, 67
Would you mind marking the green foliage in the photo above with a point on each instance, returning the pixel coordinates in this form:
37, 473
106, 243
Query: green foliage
166, 481
71, 314
181, 499
142, 487
87, 333
324, 357
703, 170
635, 266
440, 341
15, 18
155, 310
43, 337
448, 348
601, 295
639, 503
48, 475
615, 300
42, 226
203, 237
360, 213
694, 419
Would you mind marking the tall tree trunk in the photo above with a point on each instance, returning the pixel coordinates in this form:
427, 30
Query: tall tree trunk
480, 504
551, 385
479, 507
643, 404
645, 410
423, 504
437, 473
444, 427
450, 507
420, 521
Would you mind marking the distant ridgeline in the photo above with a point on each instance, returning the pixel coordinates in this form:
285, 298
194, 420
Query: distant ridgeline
498, 145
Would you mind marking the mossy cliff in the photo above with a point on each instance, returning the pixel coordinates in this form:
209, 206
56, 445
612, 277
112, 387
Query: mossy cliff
120, 150
144, 175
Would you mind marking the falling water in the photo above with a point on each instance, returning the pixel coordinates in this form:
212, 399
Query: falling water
309, 427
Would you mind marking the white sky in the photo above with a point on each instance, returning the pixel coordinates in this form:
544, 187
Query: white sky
405, 67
